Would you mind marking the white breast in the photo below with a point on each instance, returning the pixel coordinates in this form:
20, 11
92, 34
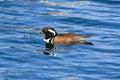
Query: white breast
47, 40
50, 40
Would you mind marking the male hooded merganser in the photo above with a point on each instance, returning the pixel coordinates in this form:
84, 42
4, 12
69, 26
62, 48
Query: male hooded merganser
52, 38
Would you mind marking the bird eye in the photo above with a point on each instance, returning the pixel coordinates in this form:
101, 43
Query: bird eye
45, 30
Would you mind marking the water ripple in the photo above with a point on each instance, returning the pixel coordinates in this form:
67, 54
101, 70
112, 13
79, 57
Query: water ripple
22, 49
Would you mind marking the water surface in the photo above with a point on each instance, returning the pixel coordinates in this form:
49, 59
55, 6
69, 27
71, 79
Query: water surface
22, 51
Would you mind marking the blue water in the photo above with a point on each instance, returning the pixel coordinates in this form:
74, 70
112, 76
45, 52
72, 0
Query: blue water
22, 49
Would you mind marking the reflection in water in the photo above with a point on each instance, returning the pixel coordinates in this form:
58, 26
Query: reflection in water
49, 54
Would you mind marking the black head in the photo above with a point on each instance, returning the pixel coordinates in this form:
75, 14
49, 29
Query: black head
49, 32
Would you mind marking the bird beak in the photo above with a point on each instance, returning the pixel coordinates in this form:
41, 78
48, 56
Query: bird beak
41, 32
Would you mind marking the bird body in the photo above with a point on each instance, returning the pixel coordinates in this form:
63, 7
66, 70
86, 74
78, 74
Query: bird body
52, 38
68, 39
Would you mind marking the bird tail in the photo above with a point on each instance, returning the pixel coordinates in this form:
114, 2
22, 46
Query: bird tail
88, 43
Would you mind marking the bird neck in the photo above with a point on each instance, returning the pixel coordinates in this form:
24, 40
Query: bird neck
50, 43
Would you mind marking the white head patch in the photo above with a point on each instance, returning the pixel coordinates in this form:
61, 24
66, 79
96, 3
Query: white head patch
52, 31
47, 40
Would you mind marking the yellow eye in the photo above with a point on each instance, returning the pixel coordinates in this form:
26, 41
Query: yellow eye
45, 29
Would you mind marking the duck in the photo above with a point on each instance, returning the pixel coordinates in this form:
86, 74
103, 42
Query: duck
52, 38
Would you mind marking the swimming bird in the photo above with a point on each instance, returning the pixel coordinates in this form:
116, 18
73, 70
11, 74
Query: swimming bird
52, 38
